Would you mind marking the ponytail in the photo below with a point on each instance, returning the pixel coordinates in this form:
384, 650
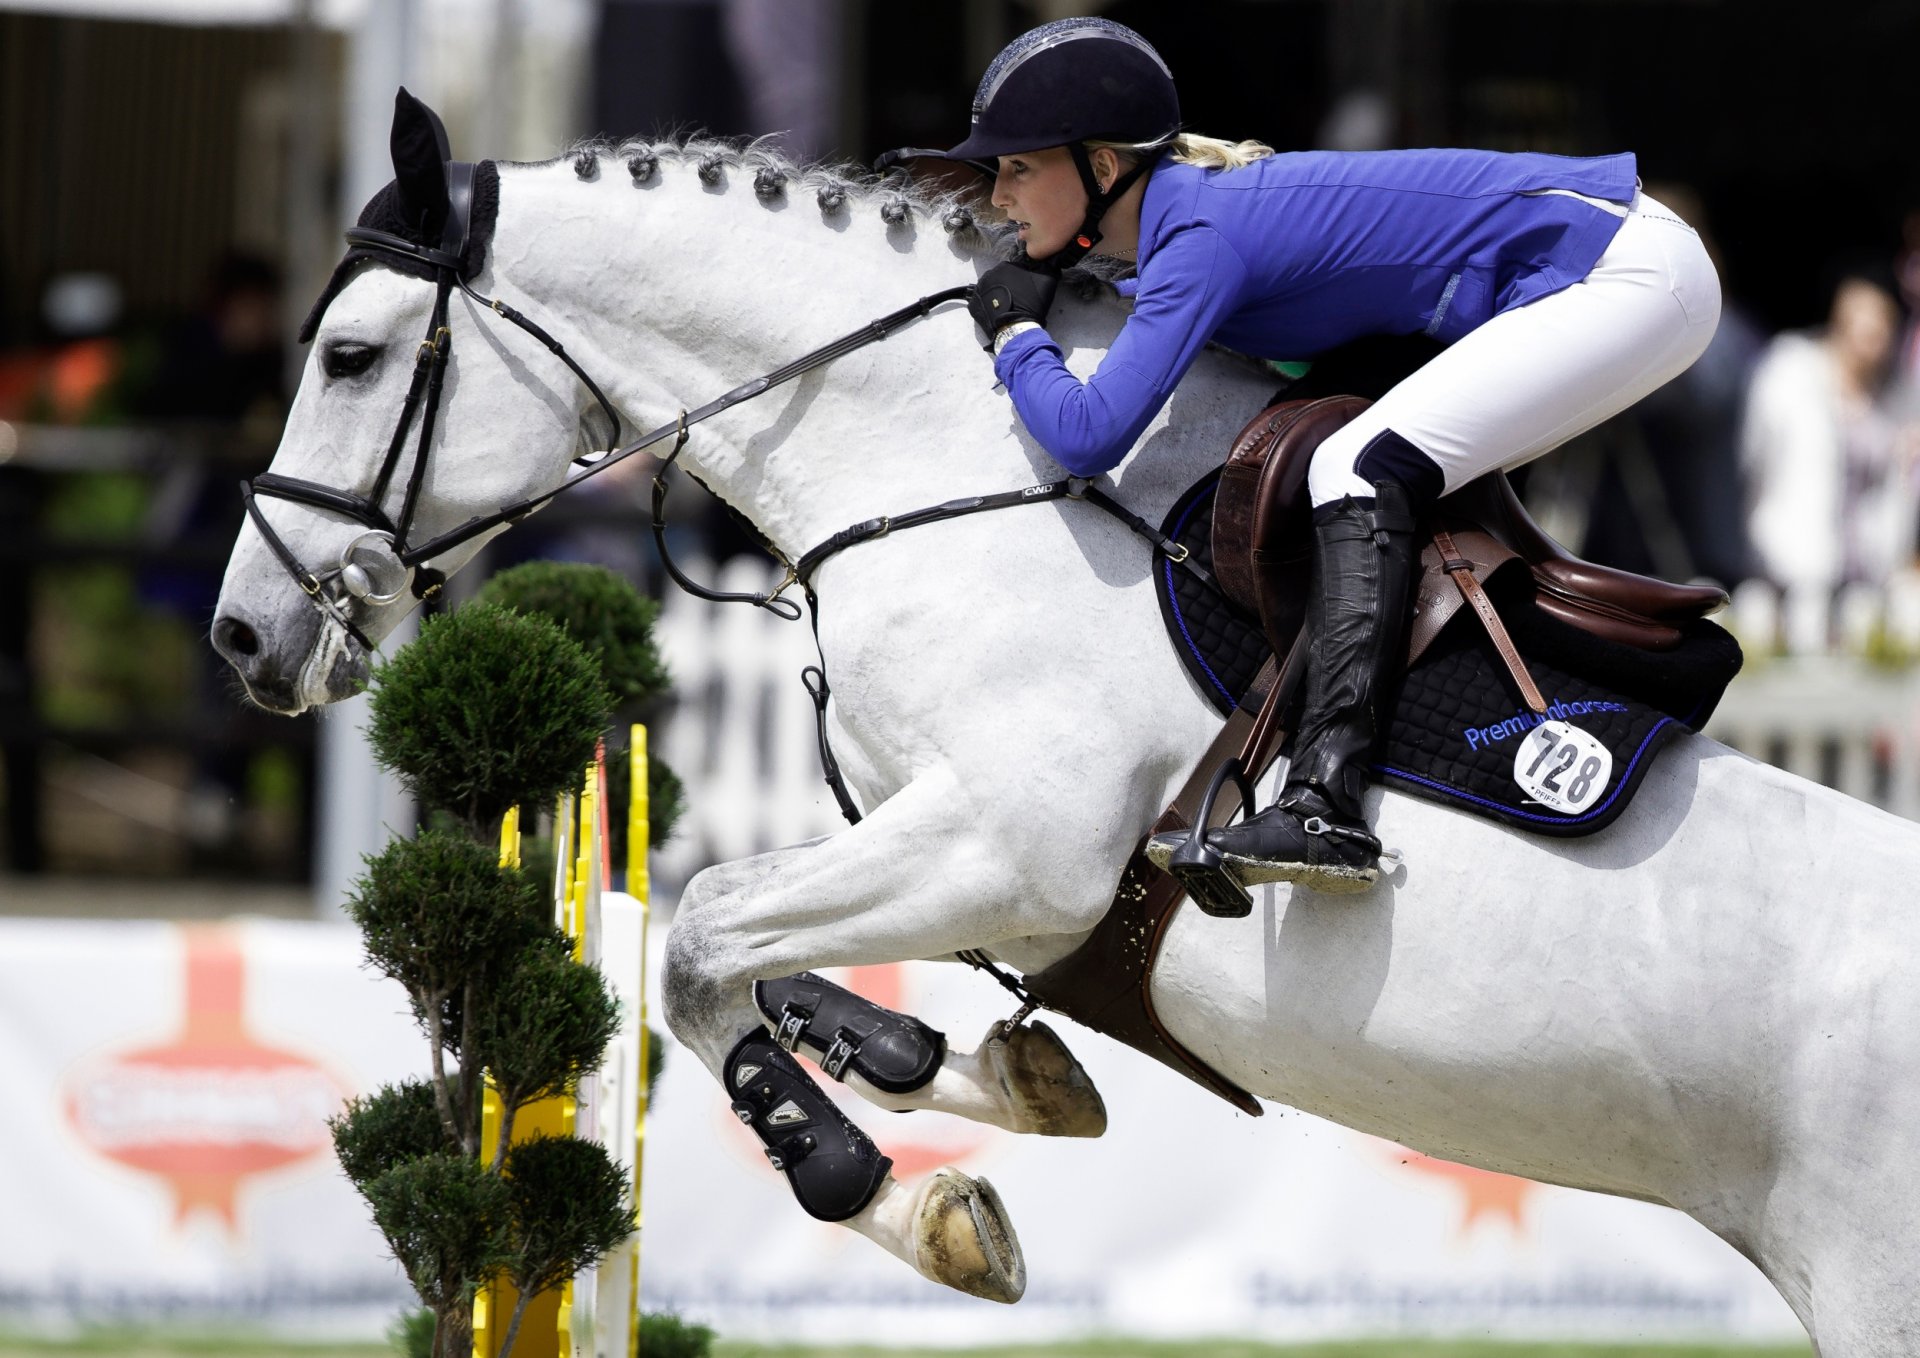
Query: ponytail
1210, 153
1189, 148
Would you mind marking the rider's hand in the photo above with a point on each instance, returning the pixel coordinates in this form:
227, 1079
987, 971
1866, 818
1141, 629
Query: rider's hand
1010, 292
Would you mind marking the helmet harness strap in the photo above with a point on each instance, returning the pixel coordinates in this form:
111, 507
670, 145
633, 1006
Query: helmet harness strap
1098, 201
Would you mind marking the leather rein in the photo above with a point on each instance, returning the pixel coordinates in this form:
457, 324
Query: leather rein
385, 544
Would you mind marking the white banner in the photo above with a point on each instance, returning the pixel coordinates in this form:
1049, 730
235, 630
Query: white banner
164, 1092
166, 1158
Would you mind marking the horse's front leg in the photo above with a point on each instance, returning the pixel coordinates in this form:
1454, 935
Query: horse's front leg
916, 879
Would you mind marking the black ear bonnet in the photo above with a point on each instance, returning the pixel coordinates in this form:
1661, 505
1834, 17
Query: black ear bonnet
414, 206
383, 213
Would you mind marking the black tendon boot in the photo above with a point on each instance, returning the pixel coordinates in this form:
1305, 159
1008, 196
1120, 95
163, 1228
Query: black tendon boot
832, 1166
847, 1032
1314, 833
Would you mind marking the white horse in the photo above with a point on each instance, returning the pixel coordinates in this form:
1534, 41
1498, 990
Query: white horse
1710, 1004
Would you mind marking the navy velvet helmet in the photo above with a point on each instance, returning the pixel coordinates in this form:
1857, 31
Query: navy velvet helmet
1067, 82
1064, 84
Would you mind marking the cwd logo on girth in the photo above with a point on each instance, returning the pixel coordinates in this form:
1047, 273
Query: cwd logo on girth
212, 1106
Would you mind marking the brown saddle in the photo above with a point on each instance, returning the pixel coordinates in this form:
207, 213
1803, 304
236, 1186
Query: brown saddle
1262, 534
1261, 557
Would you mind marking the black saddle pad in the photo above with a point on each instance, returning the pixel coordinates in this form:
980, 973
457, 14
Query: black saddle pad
1458, 725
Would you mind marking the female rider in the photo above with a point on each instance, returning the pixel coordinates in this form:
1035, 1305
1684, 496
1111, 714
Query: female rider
1563, 295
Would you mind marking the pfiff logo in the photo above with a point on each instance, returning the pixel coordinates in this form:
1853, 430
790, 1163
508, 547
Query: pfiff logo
211, 1107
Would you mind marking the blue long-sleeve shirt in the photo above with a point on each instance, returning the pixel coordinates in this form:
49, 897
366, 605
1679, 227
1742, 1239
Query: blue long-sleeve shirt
1295, 254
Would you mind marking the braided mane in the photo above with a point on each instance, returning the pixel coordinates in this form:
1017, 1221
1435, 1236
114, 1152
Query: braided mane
835, 188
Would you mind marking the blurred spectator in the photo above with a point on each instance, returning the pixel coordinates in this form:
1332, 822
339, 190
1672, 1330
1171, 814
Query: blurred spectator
224, 364
1906, 363
223, 369
1663, 502
1829, 468
736, 67
787, 53
72, 378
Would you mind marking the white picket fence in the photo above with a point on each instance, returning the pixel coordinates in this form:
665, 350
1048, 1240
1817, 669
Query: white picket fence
742, 735
1831, 688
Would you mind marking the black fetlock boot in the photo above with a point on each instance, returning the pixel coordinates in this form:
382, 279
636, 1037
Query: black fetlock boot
1315, 833
832, 1166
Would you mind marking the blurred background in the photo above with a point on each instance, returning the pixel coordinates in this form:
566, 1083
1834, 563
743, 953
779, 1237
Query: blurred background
174, 175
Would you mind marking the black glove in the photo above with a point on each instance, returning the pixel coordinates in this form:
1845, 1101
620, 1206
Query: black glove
1010, 292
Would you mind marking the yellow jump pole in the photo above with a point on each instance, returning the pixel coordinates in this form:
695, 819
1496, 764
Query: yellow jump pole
639, 831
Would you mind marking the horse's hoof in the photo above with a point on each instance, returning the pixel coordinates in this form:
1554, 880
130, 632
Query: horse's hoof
1050, 1092
961, 1237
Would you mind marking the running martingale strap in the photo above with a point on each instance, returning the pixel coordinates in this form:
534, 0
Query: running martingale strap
801, 572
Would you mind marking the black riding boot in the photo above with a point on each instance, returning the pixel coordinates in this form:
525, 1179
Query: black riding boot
1314, 833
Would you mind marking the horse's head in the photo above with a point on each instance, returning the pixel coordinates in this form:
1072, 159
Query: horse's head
393, 438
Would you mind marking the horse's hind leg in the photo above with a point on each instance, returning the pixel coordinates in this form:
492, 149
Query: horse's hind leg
1021, 1077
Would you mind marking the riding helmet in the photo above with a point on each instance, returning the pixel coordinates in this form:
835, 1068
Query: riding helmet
1067, 82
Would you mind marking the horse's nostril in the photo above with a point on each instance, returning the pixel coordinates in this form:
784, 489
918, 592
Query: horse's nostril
234, 637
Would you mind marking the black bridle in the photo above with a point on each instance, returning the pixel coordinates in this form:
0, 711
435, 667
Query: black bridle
385, 541
385, 544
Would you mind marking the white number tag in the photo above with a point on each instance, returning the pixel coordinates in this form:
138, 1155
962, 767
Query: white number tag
1562, 767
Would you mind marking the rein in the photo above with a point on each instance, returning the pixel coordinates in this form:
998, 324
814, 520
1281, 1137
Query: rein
368, 560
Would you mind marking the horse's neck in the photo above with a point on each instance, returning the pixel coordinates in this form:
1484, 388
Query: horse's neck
685, 290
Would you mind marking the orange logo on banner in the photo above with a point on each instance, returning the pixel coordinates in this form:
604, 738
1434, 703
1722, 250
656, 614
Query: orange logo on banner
213, 1105
1484, 1193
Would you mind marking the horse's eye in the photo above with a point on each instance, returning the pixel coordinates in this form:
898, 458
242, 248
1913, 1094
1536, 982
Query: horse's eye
348, 360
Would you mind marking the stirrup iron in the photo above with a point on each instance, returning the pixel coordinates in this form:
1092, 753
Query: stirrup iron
1199, 867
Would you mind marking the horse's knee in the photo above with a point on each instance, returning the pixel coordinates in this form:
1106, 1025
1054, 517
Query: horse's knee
695, 981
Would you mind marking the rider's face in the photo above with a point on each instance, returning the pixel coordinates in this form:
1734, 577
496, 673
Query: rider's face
1041, 193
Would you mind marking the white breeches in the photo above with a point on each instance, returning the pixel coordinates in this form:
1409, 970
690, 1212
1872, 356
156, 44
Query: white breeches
1532, 378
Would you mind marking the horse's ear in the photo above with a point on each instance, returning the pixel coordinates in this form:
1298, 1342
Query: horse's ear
420, 156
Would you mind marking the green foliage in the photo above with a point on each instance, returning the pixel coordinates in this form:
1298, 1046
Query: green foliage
614, 622
656, 1060
488, 710
496, 706
398, 1124
98, 506
546, 1022
665, 1335
597, 608
570, 1209
666, 798
537, 862
411, 1334
447, 1220
438, 912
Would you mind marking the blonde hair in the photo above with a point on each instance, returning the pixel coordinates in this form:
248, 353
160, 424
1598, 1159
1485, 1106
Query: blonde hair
1189, 148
